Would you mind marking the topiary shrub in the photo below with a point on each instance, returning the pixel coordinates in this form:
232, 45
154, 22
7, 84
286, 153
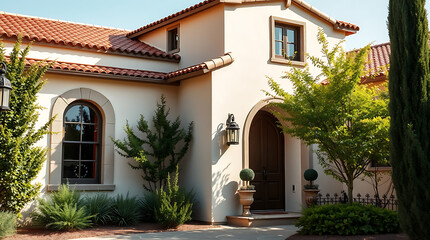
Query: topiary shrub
310, 175
174, 205
347, 219
247, 175
62, 210
7, 224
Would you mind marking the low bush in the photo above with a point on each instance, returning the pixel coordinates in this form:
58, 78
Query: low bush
347, 219
147, 206
100, 207
174, 205
7, 224
62, 210
125, 210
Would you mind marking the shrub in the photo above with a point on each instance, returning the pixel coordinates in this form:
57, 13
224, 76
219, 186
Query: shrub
100, 207
174, 205
62, 210
124, 210
147, 205
7, 224
347, 219
247, 174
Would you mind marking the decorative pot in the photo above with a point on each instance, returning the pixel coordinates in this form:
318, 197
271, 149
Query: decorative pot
246, 199
311, 196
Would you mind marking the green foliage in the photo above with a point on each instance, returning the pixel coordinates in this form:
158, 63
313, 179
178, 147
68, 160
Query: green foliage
310, 174
247, 174
100, 207
62, 210
347, 219
174, 205
161, 155
147, 205
349, 122
20, 160
125, 210
409, 89
7, 224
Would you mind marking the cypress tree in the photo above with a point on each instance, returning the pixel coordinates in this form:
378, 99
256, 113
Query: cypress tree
409, 110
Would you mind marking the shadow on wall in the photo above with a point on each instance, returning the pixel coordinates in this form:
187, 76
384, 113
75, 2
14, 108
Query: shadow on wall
225, 192
219, 141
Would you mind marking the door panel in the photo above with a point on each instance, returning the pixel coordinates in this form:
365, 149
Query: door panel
266, 158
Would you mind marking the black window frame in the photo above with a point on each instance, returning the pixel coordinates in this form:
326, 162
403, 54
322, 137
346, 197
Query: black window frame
173, 39
98, 144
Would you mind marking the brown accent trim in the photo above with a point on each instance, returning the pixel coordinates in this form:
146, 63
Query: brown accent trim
174, 19
109, 76
302, 41
86, 49
187, 75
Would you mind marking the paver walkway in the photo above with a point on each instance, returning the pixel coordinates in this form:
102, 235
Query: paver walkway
223, 232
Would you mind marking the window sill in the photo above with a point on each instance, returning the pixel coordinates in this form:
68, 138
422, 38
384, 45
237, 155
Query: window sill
173, 51
288, 62
84, 187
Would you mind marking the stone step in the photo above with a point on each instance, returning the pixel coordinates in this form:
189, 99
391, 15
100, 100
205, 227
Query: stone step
261, 219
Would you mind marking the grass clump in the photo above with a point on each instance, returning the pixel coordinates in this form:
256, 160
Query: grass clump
62, 210
347, 219
7, 224
100, 207
125, 210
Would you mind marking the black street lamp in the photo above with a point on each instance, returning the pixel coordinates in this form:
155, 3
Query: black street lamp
232, 131
5, 88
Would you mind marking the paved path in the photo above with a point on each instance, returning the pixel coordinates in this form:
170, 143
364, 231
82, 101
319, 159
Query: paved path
223, 232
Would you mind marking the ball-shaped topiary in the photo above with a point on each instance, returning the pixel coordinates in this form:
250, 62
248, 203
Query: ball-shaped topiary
247, 174
310, 174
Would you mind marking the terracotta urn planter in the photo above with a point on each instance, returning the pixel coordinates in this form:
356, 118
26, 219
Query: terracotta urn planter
246, 199
311, 196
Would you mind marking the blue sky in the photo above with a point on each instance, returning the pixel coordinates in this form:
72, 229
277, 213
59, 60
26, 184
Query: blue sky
370, 15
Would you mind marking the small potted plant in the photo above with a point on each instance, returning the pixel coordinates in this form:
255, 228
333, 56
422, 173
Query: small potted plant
311, 190
246, 191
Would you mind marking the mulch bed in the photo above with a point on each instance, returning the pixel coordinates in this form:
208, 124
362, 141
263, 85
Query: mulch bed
392, 236
42, 234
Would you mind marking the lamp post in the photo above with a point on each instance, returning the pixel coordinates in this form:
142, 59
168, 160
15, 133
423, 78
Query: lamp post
5, 88
232, 131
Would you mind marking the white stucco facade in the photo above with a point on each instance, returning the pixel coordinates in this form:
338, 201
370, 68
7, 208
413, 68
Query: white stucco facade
210, 168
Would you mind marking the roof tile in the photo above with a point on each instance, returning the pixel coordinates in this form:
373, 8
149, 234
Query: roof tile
76, 34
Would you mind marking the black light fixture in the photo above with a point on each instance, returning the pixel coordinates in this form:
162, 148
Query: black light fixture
232, 131
5, 88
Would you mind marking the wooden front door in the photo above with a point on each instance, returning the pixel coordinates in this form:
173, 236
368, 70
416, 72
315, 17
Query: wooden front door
266, 158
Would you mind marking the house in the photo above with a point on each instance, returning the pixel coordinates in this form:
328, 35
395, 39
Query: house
209, 60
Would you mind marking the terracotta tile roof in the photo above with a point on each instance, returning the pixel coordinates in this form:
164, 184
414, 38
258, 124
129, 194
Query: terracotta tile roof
209, 3
76, 35
115, 72
378, 63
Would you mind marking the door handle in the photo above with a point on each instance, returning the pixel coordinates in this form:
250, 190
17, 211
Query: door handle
264, 174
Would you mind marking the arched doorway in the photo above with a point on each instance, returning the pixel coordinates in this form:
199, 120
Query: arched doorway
266, 158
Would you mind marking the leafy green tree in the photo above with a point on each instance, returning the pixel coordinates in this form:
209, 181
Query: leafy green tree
161, 150
348, 121
409, 109
20, 160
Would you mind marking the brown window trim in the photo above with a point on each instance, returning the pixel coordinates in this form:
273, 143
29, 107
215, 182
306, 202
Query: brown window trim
300, 39
168, 43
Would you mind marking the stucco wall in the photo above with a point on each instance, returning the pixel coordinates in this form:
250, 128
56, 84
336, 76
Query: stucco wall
201, 36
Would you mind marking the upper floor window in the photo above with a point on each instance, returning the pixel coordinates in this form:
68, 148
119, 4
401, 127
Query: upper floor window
288, 41
81, 144
173, 39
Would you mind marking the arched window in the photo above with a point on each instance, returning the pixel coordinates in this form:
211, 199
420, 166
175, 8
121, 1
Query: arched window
81, 144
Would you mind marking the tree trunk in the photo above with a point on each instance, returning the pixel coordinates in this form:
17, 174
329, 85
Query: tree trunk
350, 186
409, 111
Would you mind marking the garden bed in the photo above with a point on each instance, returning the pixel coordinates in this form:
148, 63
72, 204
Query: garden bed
391, 236
39, 234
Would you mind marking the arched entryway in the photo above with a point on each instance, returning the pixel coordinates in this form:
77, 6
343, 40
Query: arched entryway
266, 158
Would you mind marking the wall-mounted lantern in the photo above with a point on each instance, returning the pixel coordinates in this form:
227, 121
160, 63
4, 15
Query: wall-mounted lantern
5, 88
232, 131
